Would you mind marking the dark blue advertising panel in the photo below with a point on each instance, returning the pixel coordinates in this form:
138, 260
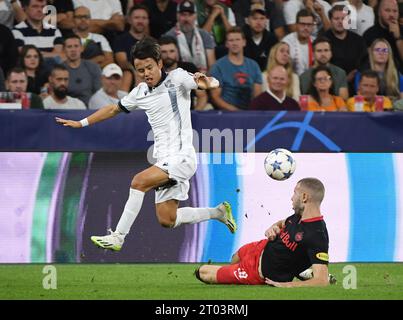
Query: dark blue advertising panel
36, 130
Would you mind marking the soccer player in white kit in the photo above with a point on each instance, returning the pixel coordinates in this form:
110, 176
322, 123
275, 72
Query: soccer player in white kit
166, 101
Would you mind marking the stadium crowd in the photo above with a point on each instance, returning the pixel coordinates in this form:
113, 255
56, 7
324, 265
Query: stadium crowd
316, 55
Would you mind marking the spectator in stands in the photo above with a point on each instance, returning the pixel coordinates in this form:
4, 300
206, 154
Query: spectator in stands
2, 81
110, 92
58, 98
322, 52
8, 49
319, 9
96, 46
65, 13
85, 76
138, 18
215, 18
381, 61
106, 15
170, 59
195, 45
32, 62
17, 81
280, 56
387, 27
34, 30
343, 41
321, 92
274, 13
275, 97
362, 18
300, 42
367, 98
259, 41
163, 17
240, 77
11, 10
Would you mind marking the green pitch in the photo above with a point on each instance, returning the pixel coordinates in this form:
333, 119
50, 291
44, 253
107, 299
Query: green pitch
176, 281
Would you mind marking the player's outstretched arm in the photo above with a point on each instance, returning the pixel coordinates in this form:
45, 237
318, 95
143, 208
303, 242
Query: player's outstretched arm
320, 279
204, 82
102, 114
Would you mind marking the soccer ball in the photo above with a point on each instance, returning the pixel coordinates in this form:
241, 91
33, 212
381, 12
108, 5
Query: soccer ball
279, 164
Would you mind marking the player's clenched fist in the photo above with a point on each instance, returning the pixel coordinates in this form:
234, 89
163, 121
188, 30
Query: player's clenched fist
69, 123
205, 82
272, 232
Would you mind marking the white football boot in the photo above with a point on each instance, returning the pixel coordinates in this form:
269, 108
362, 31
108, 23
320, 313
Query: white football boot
113, 241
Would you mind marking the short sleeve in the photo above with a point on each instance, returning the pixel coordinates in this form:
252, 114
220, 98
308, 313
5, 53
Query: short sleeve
129, 102
317, 248
185, 79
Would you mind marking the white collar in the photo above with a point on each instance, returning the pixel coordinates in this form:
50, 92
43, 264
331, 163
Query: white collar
280, 100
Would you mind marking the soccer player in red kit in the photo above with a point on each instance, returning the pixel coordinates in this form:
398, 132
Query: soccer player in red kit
292, 246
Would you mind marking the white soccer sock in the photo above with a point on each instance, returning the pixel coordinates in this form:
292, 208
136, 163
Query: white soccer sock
132, 209
195, 215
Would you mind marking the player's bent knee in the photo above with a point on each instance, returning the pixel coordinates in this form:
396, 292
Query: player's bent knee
166, 221
139, 183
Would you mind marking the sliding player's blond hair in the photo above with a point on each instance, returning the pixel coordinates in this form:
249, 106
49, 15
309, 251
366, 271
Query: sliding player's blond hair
314, 187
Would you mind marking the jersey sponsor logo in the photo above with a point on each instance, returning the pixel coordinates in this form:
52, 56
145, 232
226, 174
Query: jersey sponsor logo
285, 238
240, 274
169, 84
298, 236
322, 256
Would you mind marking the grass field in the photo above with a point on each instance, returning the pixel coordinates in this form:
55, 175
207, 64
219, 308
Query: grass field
176, 282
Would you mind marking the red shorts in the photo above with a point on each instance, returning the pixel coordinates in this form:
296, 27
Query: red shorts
246, 271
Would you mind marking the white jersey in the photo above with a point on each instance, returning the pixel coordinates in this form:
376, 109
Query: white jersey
168, 110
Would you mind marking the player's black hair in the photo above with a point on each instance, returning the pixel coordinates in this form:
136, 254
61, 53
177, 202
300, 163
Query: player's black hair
147, 47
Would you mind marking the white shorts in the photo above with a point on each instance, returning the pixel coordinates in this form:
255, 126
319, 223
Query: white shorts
180, 169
